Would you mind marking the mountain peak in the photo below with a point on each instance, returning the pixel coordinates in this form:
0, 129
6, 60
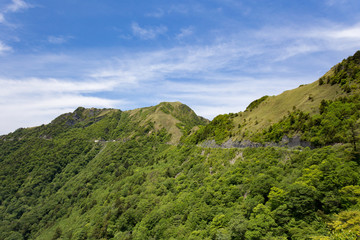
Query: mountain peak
176, 117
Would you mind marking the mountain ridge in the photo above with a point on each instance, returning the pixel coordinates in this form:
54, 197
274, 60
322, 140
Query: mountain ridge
175, 117
262, 115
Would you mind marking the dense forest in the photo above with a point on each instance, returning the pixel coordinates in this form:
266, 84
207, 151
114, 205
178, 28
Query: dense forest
147, 174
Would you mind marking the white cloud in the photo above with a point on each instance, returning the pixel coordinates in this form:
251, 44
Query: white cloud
58, 39
147, 33
17, 5
297, 49
334, 2
2, 18
180, 8
185, 32
51, 86
181, 63
14, 6
287, 42
337, 33
4, 48
158, 13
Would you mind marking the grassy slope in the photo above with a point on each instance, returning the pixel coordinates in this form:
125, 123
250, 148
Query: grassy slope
173, 116
306, 98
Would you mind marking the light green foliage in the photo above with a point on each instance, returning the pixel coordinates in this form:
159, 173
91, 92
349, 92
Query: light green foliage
261, 224
143, 188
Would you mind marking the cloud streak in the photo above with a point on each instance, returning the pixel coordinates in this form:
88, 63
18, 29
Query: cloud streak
14, 6
225, 58
58, 39
185, 32
2, 18
4, 48
50, 86
17, 5
147, 33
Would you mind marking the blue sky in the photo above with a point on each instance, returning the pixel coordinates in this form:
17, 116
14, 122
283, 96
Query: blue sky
216, 56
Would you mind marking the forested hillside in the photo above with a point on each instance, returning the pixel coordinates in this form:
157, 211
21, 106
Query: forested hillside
163, 172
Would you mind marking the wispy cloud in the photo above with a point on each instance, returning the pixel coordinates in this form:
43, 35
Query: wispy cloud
185, 32
17, 5
14, 6
2, 18
337, 33
50, 86
4, 48
306, 40
174, 8
180, 8
334, 2
147, 33
181, 63
58, 39
158, 13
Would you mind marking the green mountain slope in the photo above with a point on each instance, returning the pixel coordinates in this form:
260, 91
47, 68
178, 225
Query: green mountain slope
32, 160
145, 173
176, 118
113, 124
304, 111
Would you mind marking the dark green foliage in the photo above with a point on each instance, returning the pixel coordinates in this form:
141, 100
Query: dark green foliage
57, 234
294, 123
218, 129
188, 118
194, 193
338, 122
346, 74
256, 103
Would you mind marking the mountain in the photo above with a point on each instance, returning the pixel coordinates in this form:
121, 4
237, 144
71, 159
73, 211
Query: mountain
175, 117
113, 124
162, 172
307, 112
